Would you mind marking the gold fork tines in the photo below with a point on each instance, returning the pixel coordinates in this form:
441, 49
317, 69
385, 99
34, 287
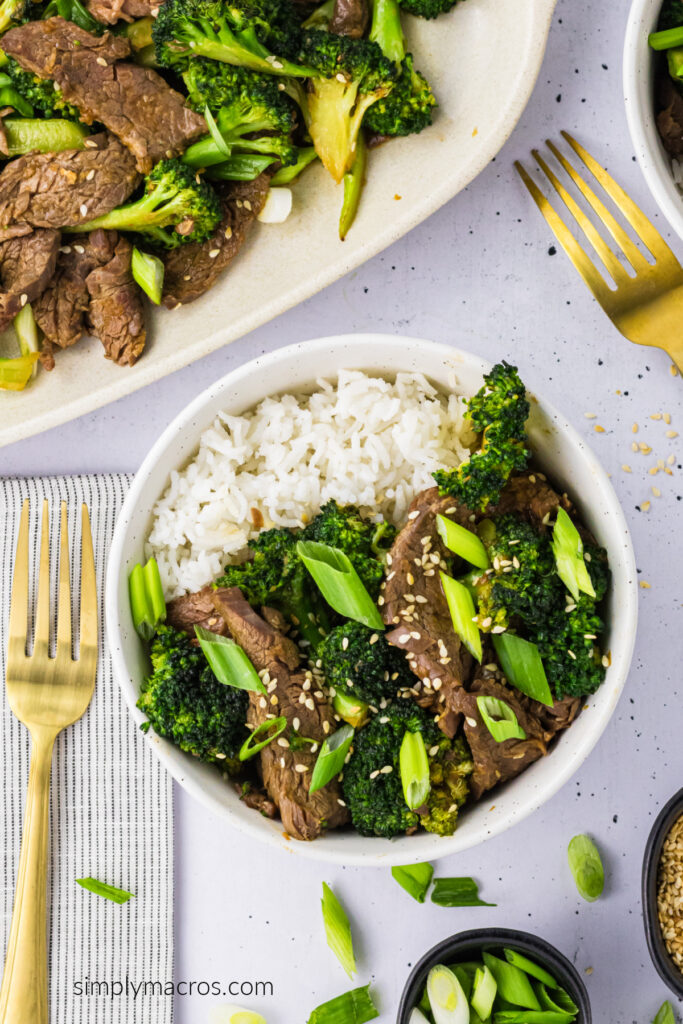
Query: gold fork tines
47, 694
647, 305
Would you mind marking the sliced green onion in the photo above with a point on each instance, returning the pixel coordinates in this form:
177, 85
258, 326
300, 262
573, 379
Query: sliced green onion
270, 729
417, 1016
240, 167
667, 39
354, 180
560, 1001
521, 662
674, 59
286, 175
531, 1017
147, 602
229, 663
665, 1014
461, 607
414, 766
500, 719
529, 967
26, 330
569, 561
447, 1001
586, 867
414, 878
465, 974
483, 992
354, 1007
148, 271
338, 930
16, 373
457, 892
331, 757
513, 984
52, 135
9, 97
215, 133
462, 542
108, 892
339, 583
353, 711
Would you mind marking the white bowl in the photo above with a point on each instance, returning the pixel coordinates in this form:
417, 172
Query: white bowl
558, 448
639, 71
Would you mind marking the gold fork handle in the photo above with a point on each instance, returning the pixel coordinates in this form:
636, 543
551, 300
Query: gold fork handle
23, 995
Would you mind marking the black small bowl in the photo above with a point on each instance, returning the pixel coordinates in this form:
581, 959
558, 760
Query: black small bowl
666, 968
468, 945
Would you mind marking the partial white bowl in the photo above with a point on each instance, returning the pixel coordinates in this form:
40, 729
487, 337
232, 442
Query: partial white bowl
639, 73
558, 448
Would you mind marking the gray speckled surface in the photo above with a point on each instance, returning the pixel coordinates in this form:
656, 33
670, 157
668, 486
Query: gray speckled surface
478, 273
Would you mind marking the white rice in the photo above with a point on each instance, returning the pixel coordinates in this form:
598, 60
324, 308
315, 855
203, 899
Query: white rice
361, 440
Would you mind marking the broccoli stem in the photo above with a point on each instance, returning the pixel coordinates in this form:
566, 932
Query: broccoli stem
386, 29
245, 50
241, 167
156, 208
26, 135
321, 16
354, 180
288, 174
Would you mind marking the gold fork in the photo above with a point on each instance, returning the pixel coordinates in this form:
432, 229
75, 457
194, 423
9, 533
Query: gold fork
647, 308
47, 694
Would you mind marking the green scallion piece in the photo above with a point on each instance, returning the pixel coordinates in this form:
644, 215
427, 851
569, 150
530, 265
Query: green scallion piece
569, 561
228, 661
529, 967
415, 879
52, 135
666, 39
216, 133
521, 662
531, 1017
331, 757
559, 1002
270, 730
147, 602
457, 892
351, 710
339, 583
16, 373
148, 271
513, 984
461, 607
414, 766
354, 1007
9, 97
665, 1014
26, 330
586, 867
462, 542
484, 992
447, 1000
338, 930
108, 892
499, 719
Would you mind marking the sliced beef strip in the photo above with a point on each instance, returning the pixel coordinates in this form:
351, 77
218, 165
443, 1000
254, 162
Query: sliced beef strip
350, 18
111, 11
60, 310
293, 693
422, 624
58, 190
26, 266
555, 719
257, 800
192, 269
497, 762
198, 609
670, 116
133, 102
116, 312
531, 497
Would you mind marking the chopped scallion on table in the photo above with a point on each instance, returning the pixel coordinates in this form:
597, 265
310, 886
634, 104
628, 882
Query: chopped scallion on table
338, 930
665, 1014
586, 866
108, 892
354, 1007
415, 879
457, 892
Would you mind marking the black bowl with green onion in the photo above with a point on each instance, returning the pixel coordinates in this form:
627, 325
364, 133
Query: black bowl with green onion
543, 973
666, 968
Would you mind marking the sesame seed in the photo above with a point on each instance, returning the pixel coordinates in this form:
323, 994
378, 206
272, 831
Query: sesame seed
644, 585
598, 429
380, 601
634, 447
213, 253
326, 727
310, 704
571, 655
410, 578
590, 415
263, 703
404, 638
656, 491
83, 209
23, 300
301, 768
634, 428
472, 722
498, 629
672, 433
247, 203
645, 507
306, 685
340, 802
656, 416
414, 514
387, 770
282, 742
102, 62
373, 775
671, 460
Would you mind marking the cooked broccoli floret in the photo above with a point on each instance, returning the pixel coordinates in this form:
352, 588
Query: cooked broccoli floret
39, 92
449, 771
499, 412
365, 542
580, 672
358, 662
350, 75
408, 107
184, 701
427, 8
174, 208
252, 113
256, 34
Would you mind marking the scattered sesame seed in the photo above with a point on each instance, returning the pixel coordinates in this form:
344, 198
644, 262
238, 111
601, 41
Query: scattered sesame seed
571, 655
645, 507
634, 447
634, 428
656, 416
590, 415
213, 253
626, 468
102, 62
83, 209
672, 433
387, 770
656, 491
598, 429
373, 775
644, 585
301, 768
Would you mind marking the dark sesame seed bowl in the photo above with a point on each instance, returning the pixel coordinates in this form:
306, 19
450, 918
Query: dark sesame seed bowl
468, 945
661, 958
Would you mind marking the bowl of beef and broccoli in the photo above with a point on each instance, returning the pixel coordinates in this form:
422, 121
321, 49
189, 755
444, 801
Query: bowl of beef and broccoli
371, 599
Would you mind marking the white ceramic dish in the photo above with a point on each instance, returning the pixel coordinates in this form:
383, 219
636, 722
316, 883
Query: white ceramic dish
558, 447
283, 264
639, 69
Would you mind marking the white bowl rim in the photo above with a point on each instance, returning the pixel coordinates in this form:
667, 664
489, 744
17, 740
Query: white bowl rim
654, 161
423, 846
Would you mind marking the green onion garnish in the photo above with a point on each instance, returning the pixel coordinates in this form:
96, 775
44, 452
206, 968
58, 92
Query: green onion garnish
665, 1014
457, 892
529, 967
414, 766
9, 97
26, 330
353, 711
461, 607
417, 1016
415, 879
147, 602
148, 271
513, 984
666, 39
500, 719
569, 561
270, 729
331, 757
108, 892
16, 373
447, 1001
338, 930
586, 867
484, 992
531, 1017
559, 1002
216, 133
228, 661
339, 583
462, 542
521, 662
354, 1007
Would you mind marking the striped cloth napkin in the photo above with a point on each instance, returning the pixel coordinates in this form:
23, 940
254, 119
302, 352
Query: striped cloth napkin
111, 810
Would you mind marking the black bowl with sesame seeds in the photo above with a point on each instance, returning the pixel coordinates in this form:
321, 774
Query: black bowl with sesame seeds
469, 945
662, 884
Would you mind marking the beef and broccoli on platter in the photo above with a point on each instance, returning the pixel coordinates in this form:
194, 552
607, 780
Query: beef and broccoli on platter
397, 614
